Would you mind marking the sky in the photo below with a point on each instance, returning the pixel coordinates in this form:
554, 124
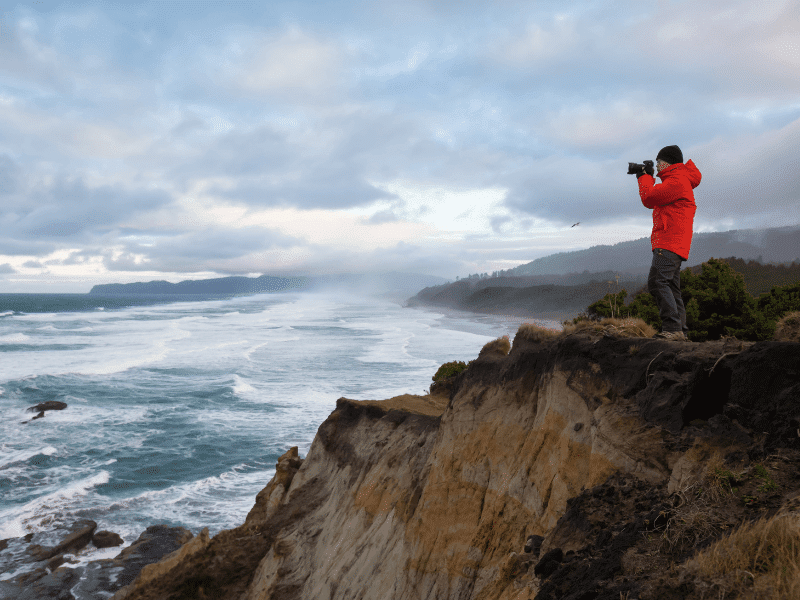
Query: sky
186, 139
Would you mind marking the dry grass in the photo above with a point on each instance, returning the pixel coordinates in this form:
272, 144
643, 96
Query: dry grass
697, 518
695, 521
758, 560
612, 327
534, 333
788, 328
622, 328
423, 405
501, 346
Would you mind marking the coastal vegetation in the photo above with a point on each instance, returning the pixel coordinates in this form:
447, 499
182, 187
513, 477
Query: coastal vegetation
717, 303
450, 369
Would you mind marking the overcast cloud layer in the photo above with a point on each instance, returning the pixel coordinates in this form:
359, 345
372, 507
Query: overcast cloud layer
174, 140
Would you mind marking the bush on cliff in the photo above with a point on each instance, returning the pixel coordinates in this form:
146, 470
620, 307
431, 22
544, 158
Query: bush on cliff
717, 304
450, 369
779, 301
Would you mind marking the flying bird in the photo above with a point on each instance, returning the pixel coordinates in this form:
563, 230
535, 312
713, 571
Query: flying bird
578, 223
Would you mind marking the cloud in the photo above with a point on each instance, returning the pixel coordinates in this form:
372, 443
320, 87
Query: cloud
743, 178
170, 138
7, 268
606, 126
194, 251
294, 63
46, 133
383, 216
9, 174
69, 208
537, 44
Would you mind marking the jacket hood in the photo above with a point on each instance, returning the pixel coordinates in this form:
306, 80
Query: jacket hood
688, 170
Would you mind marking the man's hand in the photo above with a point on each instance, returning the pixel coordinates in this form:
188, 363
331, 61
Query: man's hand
646, 169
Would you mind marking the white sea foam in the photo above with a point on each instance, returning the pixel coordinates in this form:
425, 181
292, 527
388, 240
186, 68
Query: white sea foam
35, 515
241, 387
14, 338
10, 457
124, 345
7, 313
69, 399
217, 502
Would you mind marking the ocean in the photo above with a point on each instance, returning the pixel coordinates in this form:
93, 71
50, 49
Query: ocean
177, 411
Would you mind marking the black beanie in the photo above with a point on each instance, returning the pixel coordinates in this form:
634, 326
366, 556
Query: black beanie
670, 154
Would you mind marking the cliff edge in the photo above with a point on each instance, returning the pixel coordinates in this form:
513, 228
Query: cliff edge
582, 447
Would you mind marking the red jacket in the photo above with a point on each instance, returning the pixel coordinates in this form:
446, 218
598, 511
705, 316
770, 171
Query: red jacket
673, 206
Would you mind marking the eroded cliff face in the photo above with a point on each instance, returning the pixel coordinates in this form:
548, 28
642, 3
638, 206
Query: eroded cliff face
434, 497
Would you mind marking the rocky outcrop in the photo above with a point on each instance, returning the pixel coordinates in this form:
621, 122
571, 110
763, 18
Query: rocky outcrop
78, 535
47, 561
581, 441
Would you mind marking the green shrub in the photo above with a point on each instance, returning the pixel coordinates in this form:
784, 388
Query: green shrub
612, 305
717, 304
779, 301
450, 369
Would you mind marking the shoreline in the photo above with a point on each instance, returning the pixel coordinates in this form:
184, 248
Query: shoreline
506, 322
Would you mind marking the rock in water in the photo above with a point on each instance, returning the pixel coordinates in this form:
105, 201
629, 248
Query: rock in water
99, 579
49, 405
106, 539
79, 534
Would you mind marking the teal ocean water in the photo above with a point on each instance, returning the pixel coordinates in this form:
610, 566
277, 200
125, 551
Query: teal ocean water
177, 411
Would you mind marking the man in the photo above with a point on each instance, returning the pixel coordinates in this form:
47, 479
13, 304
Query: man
672, 203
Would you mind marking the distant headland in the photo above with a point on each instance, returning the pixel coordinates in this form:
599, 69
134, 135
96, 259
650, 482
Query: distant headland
392, 284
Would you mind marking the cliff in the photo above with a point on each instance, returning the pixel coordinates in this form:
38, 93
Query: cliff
586, 441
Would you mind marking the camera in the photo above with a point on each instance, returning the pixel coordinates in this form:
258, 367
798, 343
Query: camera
637, 169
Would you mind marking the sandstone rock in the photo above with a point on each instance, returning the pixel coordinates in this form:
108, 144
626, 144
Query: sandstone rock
271, 496
106, 539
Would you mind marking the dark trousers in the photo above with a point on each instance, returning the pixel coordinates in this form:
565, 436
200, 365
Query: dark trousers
664, 283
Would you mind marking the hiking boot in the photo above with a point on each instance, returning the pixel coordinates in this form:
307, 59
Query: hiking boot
674, 336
